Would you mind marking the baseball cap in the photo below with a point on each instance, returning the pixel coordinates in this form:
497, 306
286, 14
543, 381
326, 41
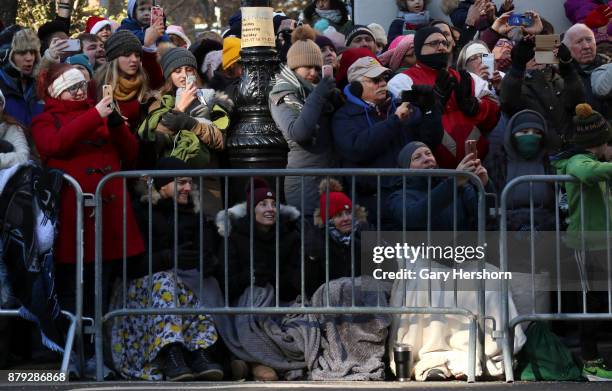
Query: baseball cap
365, 66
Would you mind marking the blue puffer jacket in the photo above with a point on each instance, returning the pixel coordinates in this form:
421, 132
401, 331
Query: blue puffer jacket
21, 102
139, 30
441, 206
365, 139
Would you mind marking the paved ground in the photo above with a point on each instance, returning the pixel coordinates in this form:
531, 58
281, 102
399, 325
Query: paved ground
314, 386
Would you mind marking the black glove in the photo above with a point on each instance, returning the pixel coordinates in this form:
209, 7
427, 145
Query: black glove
6, 147
565, 60
466, 101
176, 121
422, 96
325, 87
522, 53
115, 119
444, 86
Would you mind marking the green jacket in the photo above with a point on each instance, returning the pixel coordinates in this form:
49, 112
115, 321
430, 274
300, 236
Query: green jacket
592, 174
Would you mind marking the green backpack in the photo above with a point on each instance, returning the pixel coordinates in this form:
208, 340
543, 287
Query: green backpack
544, 357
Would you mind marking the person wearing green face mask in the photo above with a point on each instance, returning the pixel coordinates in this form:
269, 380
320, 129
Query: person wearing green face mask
528, 142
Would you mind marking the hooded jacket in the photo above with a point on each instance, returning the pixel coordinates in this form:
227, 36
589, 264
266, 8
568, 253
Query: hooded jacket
555, 99
507, 165
264, 252
131, 24
591, 173
21, 100
364, 138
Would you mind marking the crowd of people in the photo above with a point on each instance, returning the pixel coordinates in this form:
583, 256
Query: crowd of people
419, 93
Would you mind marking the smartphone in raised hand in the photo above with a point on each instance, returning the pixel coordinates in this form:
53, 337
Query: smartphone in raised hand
107, 91
72, 45
157, 13
488, 60
470, 147
191, 79
327, 71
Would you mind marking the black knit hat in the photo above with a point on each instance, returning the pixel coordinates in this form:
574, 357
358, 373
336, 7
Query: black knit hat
358, 30
122, 43
54, 26
592, 129
323, 41
202, 48
176, 58
168, 164
420, 37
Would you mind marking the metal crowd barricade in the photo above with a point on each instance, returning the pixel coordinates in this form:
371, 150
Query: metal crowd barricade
74, 333
476, 319
508, 325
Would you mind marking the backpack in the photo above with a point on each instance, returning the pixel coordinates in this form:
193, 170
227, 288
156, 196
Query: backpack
544, 357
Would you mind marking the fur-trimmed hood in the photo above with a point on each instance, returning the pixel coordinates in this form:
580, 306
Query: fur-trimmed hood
141, 189
239, 211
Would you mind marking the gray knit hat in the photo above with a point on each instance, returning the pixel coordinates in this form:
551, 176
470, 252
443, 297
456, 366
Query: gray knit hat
405, 156
122, 43
358, 30
176, 58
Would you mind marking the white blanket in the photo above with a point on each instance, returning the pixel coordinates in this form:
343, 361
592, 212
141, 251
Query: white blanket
441, 341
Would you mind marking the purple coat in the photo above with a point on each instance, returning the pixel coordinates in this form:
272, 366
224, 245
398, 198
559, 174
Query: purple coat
577, 10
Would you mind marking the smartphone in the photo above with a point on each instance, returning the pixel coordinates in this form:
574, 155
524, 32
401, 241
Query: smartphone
73, 45
488, 60
190, 81
327, 71
107, 91
470, 147
524, 20
157, 13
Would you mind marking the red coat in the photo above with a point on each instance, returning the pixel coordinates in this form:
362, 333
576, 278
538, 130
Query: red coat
457, 126
72, 137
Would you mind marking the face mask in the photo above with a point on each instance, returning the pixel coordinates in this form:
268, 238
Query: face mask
528, 145
436, 61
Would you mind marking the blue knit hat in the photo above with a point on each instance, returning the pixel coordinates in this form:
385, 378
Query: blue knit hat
80, 59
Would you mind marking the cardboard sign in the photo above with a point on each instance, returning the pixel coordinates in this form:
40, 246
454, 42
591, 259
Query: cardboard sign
257, 27
544, 46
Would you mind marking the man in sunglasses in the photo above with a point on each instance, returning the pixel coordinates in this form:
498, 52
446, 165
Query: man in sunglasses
370, 129
469, 109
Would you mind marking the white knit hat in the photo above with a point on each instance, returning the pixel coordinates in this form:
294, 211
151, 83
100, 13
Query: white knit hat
66, 80
212, 62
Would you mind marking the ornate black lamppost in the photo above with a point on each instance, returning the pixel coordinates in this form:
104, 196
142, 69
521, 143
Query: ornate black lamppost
255, 142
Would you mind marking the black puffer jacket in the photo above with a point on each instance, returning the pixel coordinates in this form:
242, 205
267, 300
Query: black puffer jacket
264, 252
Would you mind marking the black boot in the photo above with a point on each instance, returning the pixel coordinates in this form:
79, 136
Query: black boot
175, 368
204, 368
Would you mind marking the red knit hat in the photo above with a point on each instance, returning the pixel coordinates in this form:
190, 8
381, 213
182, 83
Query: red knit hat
338, 201
95, 24
261, 191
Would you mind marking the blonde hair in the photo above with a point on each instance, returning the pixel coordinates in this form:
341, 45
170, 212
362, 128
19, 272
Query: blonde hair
109, 73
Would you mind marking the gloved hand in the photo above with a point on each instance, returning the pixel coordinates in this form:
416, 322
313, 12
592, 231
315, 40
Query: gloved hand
6, 147
466, 101
177, 121
522, 53
444, 86
115, 119
421, 95
325, 87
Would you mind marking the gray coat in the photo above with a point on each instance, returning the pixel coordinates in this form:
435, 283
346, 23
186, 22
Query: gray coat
303, 115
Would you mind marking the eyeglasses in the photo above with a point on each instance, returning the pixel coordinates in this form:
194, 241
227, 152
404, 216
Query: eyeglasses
474, 58
74, 90
436, 44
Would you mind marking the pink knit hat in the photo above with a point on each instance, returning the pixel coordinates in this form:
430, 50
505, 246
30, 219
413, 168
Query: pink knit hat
393, 57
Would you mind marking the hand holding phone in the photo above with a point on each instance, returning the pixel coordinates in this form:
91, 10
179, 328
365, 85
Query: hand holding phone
327, 71
523, 20
157, 14
470, 147
107, 92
